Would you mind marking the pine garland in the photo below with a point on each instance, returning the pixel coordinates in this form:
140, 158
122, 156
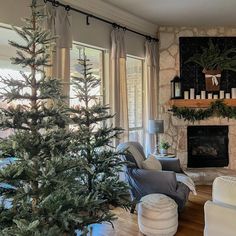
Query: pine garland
217, 108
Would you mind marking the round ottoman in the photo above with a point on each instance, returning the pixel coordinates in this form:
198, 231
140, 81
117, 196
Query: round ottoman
157, 215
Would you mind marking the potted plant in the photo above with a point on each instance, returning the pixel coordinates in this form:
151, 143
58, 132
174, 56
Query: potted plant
163, 147
213, 60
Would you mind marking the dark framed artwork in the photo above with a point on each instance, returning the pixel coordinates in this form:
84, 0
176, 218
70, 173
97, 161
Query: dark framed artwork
191, 73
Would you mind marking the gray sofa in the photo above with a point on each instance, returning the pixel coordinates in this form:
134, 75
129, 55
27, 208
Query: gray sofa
143, 182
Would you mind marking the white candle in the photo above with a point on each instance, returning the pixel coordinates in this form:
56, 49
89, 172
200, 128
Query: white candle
186, 95
209, 95
192, 94
227, 95
198, 96
233, 92
222, 94
203, 94
215, 96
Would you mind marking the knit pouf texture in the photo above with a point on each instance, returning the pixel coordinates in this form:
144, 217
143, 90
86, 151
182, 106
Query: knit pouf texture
157, 215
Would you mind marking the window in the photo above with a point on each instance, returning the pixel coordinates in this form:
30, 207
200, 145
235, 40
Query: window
96, 59
135, 98
8, 70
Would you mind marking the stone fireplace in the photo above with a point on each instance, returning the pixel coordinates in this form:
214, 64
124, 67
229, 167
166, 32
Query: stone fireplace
207, 146
176, 129
176, 133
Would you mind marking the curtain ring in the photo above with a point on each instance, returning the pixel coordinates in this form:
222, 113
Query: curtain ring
149, 39
114, 25
55, 3
67, 8
124, 28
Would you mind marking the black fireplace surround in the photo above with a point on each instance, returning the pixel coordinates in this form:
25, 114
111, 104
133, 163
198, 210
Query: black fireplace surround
207, 146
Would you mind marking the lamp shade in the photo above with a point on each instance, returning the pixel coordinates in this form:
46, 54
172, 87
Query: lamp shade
155, 126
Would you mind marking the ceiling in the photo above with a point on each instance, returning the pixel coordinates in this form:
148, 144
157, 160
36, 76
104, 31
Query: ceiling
181, 12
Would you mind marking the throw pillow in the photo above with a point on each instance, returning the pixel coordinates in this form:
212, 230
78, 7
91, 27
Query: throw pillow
152, 163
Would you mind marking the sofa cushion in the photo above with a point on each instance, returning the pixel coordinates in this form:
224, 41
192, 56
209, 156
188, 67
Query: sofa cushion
170, 164
151, 163
224, 190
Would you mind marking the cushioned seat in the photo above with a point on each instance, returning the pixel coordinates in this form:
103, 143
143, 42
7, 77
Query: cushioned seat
220, 213
146, 181
157, 215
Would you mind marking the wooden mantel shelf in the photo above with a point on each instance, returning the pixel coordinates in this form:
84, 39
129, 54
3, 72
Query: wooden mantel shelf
199, 103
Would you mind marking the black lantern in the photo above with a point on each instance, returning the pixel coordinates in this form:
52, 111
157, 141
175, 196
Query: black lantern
176, 90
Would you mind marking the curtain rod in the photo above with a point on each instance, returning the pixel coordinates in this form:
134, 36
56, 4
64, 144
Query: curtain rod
88, 15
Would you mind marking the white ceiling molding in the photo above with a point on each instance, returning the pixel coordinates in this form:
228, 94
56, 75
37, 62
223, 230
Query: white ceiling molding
112, 13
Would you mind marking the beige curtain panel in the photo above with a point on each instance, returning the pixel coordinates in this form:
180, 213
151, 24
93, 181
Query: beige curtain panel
118, 84
59, 23
151, 92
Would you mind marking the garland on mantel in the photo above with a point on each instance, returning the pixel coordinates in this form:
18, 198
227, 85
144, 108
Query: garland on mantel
218, 108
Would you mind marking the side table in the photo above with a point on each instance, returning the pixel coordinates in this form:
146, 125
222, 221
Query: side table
168, 155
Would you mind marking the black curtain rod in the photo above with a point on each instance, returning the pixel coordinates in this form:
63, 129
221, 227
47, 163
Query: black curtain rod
88, 15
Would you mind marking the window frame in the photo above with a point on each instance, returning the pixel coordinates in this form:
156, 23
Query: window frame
103, 61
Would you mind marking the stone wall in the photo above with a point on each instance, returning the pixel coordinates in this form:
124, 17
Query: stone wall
176, 129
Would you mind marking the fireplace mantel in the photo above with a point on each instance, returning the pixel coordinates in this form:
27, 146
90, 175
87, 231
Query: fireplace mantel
199, 103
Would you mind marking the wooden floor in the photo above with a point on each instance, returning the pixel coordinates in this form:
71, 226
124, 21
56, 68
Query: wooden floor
191, 220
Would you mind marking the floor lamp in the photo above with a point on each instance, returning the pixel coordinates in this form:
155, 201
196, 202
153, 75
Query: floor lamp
156, 127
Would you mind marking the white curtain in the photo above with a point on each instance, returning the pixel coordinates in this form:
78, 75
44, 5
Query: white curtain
59, 24
151, 92
118, 84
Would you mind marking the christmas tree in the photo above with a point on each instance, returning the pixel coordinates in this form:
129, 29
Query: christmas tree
39, 143
92, 145
60, 181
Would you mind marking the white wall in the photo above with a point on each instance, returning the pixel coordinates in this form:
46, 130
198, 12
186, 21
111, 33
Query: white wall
96, 34
11, 11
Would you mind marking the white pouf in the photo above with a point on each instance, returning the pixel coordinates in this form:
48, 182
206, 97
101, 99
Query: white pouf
157, 215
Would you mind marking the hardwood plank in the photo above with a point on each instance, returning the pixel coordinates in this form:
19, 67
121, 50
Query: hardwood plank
191, 220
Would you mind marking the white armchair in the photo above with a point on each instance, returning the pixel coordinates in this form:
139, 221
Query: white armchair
220, 213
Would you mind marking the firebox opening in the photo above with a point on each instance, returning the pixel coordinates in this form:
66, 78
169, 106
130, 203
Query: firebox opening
207, 146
